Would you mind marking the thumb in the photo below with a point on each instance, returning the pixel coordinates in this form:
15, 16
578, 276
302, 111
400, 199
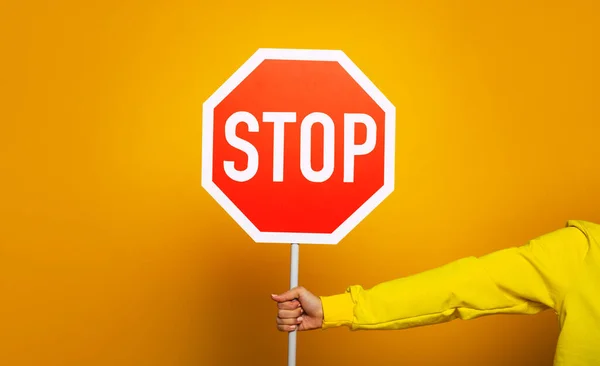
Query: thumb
289, 295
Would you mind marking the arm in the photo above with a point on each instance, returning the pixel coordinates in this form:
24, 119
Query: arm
520, 280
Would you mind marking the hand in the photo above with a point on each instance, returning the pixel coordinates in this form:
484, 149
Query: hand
298, 309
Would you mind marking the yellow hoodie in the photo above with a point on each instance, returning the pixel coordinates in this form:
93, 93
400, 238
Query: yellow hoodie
559, 270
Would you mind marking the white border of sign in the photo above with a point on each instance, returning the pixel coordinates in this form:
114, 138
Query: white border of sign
301, 55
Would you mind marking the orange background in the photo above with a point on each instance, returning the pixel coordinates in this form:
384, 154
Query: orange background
112, 254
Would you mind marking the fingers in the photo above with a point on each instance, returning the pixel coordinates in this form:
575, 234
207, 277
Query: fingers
289, 313
288, 305
289, 295
288, 324
286, 328
289, 321
286, 314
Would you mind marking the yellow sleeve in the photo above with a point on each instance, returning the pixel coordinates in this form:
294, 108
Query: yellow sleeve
517, 280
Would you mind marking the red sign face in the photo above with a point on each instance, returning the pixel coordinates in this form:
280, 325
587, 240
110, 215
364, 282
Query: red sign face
298, 146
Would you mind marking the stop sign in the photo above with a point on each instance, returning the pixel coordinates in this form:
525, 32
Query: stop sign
298, 146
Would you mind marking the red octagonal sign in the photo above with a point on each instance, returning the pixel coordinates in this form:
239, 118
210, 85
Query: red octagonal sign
298, 146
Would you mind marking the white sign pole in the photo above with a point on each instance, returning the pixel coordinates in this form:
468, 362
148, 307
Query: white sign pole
293, 283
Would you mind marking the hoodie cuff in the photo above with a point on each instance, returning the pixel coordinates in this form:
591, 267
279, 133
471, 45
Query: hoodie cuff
338, 310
